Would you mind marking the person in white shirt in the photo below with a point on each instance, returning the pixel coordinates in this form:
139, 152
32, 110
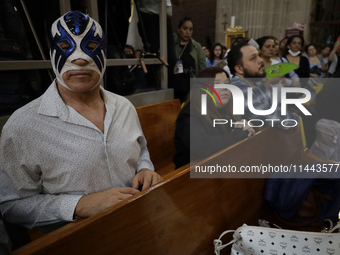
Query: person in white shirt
78, 149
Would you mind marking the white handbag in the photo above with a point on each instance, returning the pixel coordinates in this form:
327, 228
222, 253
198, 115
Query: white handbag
250, 240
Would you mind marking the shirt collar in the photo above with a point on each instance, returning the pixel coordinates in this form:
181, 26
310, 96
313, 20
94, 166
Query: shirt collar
240, 82
53, 105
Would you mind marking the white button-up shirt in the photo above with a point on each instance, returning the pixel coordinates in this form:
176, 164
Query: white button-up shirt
50, 156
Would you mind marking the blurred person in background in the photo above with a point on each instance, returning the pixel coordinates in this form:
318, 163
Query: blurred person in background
190, 59
215, 55
205, 139
325, 51
334, 58
316, 64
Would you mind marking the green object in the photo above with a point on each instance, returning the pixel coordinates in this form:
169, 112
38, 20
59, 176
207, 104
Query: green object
280, 69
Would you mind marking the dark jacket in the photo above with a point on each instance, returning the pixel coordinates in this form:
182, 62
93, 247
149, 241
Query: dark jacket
328, 101
196, 52
202, 137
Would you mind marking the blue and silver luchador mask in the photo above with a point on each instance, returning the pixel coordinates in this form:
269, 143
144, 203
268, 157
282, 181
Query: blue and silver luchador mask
78, 30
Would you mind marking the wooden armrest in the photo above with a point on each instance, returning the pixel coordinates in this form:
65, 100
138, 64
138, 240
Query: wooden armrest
308, 157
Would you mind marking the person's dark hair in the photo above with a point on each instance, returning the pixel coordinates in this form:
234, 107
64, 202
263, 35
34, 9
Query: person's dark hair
283, 40
306, 48
222, 63
235, 56
212, 112
290, 39
128, 46
195, 98
324, 46
276, 41
239, 40
211, 72
211, 53
261, 41
183, 20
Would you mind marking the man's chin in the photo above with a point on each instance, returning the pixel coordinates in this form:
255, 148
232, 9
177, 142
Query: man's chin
262, 75
256, 76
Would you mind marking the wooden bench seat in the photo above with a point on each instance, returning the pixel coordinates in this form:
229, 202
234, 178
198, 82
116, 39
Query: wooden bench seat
180, 215
158, 122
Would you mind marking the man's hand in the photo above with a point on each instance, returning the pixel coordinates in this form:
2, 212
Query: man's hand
146, 178
333, 52
89, 205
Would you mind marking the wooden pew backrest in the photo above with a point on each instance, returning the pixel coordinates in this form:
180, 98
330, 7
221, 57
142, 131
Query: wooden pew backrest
158, 123
180, 215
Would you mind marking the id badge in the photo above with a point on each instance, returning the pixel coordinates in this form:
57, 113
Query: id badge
178, 67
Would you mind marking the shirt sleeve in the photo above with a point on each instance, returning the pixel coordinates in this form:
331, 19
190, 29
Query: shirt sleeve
201, 59
22, 200
144, 160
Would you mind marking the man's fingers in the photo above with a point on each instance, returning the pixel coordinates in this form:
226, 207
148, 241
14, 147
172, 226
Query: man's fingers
135, 182
147, 182
159, 178
156, 178
251, 132
128, 190
124, 196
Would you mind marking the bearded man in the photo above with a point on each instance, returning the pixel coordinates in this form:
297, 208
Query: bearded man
247, 68
78, 149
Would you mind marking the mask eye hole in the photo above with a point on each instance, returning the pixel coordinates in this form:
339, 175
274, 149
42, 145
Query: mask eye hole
64, 45
91, 46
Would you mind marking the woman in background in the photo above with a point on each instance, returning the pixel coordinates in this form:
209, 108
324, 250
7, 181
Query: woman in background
282, 47
202, 137
266, 50
190, 59
315, 62
293, 55
325, 50
215, 55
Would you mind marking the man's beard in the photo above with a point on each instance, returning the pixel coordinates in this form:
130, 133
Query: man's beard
248, 74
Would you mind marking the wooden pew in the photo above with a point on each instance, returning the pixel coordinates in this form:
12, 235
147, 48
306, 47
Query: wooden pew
180, 215
308, 157
158, 123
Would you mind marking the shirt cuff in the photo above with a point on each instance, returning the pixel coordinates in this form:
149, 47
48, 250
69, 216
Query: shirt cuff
147, 165
68, 207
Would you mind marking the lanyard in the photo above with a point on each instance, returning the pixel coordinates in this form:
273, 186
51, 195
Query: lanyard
180, 55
